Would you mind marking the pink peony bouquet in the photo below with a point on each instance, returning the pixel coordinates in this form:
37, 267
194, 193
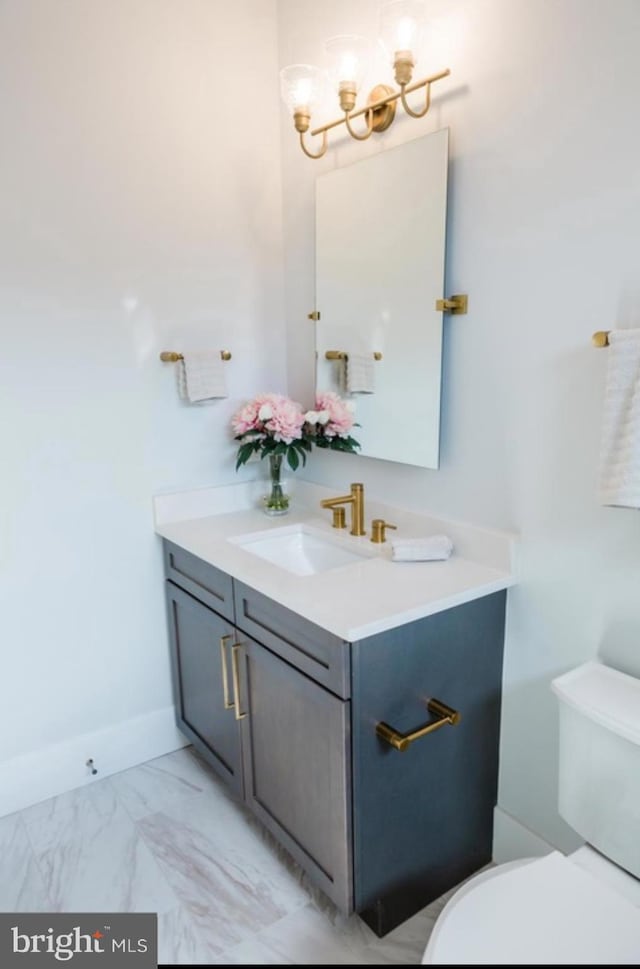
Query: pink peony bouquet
272, 424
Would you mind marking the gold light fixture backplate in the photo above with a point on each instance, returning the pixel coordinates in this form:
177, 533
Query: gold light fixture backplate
382, 117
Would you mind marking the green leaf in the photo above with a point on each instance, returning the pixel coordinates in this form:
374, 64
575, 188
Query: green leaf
244, 453
293, 459
300, 451
345, 444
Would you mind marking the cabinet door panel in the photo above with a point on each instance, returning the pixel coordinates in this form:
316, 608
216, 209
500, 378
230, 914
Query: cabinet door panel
297, 767
195, 633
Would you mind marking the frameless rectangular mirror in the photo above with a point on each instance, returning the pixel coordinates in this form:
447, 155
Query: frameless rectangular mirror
380, 247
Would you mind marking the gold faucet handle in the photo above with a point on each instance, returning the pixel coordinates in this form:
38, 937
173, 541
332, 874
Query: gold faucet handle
378, 530
339, 517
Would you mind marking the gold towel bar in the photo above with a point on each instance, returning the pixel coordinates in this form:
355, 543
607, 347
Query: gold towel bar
401, 741
170, 356
343, 355
601, 338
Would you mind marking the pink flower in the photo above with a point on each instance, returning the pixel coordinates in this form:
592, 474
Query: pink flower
286, 420
340, 418
246, 419
270, 415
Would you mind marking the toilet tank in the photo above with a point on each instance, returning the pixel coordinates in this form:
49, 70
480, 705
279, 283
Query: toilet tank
599, 768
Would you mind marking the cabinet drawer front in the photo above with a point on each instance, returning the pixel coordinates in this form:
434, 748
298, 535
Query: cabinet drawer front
202, 580
319, 654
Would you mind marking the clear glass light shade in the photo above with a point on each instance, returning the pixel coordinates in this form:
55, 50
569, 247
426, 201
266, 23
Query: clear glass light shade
301, 86
401, 27
348, 57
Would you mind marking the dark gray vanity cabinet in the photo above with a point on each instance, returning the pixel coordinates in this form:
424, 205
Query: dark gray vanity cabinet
381, 831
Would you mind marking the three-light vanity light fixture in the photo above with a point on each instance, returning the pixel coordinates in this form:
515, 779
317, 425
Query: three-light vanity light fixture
400, 32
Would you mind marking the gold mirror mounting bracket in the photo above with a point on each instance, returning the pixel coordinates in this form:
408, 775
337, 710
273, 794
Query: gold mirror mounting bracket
382, 117
456, 305
314, 315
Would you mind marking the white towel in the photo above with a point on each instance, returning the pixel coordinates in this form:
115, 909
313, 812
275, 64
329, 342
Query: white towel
433, 548
359, 373
620, 451
201, 376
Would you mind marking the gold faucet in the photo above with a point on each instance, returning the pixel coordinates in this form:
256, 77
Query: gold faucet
356, 500
378, 530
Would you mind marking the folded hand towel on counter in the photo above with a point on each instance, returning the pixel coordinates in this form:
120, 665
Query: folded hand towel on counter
433, 548
201, 376
359, 373
620, 450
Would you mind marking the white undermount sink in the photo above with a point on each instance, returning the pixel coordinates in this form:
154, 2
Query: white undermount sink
300, 549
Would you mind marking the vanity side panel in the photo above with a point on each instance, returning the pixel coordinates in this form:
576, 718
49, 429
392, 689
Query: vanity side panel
423, 818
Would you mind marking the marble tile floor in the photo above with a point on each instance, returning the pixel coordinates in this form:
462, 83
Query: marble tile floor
166, 837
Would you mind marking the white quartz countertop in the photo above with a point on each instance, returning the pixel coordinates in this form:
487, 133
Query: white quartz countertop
351, 601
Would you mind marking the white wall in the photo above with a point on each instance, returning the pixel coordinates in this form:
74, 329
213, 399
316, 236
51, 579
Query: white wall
140, 210
544, 235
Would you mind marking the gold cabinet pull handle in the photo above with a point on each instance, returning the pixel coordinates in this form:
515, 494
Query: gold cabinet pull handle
235, 649
401, 741
228, 704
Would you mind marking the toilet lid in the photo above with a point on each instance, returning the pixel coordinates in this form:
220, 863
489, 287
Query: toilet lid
548, 911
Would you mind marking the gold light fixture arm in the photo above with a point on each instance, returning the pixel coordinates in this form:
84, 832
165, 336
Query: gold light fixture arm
353, 133
325, 145
382, 102
410, 111
445, 715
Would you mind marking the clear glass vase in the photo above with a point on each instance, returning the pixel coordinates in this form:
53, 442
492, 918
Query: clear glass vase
276, 502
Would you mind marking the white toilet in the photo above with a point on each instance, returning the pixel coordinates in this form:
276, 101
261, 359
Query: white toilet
582, 909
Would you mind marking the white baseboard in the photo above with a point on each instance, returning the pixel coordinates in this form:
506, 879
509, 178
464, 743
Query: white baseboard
52, 770
511, 840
